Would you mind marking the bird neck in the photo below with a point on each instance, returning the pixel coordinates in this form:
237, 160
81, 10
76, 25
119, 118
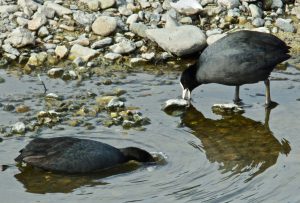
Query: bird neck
140, 155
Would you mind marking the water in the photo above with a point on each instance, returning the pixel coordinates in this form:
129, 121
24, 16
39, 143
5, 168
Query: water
204, 157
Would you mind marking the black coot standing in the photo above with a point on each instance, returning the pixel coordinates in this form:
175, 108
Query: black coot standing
243, 57
73, 155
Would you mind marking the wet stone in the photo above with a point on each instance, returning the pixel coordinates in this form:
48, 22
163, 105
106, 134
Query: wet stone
22, 109
18, 128
55, 72
75, 123
175, 107
2, 80
115, 104
8, 107
227, 108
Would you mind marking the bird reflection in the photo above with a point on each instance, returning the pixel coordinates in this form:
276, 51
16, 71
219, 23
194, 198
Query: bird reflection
39, 181
238, 144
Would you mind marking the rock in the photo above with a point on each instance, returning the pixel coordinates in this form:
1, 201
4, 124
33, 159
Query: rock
123, 10
48, 12
9, 49
123, 47
213, 38
60, 10
112, 56
43, 32
277, 4
20, 37
137, 61
180, 40
114, 104
19, 128
22, 21
258, 22
83, 41
171, 22
213, 32
78, 61
2, 80
226, 108
55, 72
22, 108
81, 51
285, 25
8, 107
83, 18
8, 8
175, 107
139, 29
37, 22
229, 4
32, 5
132, 19
256, 12
187, 7
104, 4
148, 56
104, 25
102, 43
93, 5
61, 51
37, 59
296, 11
186, 20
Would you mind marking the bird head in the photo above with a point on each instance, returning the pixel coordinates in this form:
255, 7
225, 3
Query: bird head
188, 81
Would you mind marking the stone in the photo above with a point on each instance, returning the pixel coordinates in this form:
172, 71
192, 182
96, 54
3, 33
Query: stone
277, 4
180, 40
285, 25
9, 49
227, 108
81, 51
37, 22
123, 10
258, 22
104, 25
20, 37
48, 12
32, 5
102, 43
187, 7
22, 21
256, 12
112, 56
83, 18
213, 32
43, 32
55, 72
93, 5
175, 107
148, 56
123, 47
171, 21
229, 4
115, 103
59, 10
186, 20
18, 128
296, 11
132, 19
37, 59
78, 61
213, 38
139, 29
8, 8
61, 51
22, 108
104, 4
83, 41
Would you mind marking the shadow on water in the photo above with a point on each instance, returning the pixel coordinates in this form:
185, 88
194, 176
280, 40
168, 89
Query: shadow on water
238, 144
39, 181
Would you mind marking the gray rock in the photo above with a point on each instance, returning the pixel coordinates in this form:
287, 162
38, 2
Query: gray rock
139, 29
187, 7
123, 47
186, 20
256, 12
213, 38
104, 25
277, 4
9, 49
61, 51
115, 103
8, 8
78, 61
20, 37
83, 18
43, 32
22, 21
104, 4
132, 19
229, 4
226, 108
18, 128
48, 12
60, 10
82, 52
285, 25
258, 22
296, 11
93, 5
32, 5
180, 40
102, 43
123, 10
171, 21
112, 56
55, 72
37, 22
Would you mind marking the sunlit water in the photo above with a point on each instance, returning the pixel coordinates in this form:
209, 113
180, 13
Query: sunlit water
206, 157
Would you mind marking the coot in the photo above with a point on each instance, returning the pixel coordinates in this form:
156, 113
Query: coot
73, 155
239, 58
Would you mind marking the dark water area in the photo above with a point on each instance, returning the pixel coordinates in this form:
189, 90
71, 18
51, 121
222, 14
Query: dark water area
202, 156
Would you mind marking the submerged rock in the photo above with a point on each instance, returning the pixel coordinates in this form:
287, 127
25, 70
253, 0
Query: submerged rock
227, 108
55, 72
18, 128
175, 107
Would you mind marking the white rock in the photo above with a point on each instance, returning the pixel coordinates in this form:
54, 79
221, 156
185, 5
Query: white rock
256, 12
277, 4
55, 72
43, 32
139, 29
22, 21
48, 12
132, 19
112, 56
104, 25
285, 25
60, 10
93, 5
175, 103
102, 43
61, 51
180, 40
83, 18
9, 49
123, 47
107, 3
213, 38
187, 7
19, 128
296, 11
37, 22
8, 8
20, 37
29, 4
81, 51
148, 56
229, 4
227, 107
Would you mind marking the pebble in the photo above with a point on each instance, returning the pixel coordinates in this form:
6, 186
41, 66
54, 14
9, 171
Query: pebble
123, 47
83, 52
187, 7
285, 25
102, 43
55, 72
112, 56
18, 128
104, 25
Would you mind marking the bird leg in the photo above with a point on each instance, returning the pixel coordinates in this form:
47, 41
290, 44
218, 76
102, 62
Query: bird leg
237, 99
268, 93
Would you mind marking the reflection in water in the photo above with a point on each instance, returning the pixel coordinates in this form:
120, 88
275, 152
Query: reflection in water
39, 181
238, 144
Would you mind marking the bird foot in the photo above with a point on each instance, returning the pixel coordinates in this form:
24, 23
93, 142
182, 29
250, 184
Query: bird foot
271, 105
238, 102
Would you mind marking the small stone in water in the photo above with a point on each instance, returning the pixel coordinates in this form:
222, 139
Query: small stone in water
8, 107
2, 80
22, 109
19, 128
227, 108
175, 103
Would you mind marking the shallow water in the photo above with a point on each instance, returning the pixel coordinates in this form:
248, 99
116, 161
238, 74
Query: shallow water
251, 157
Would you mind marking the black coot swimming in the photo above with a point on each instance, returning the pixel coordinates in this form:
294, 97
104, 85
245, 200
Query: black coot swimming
239, 58
73, 155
